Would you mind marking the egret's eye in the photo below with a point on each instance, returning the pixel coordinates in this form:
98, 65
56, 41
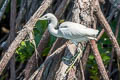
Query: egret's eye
45, 16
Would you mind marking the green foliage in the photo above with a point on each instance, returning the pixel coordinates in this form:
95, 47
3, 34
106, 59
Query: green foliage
92, 68
26, 48
39, 30
24, 51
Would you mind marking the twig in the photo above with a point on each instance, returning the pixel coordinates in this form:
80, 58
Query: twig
82, 70
28, 27
112, 55
12, 68
109, 18
99, 60
100, 34
21, 65
2, 10
21, 13
56, 44
3, 38
115, 71
115, 4
33, 6
85, 56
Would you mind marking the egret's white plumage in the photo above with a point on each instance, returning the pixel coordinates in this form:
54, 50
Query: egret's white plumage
69, 30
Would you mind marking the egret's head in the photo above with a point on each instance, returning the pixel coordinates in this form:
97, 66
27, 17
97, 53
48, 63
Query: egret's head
47, 16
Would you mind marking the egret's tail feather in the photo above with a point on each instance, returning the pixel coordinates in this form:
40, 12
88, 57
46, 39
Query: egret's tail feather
93, 38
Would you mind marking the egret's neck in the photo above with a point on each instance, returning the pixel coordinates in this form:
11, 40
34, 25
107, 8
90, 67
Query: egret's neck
53, 22
52, 25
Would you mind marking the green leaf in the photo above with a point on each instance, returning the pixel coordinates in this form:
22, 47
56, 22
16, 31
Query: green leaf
91, 57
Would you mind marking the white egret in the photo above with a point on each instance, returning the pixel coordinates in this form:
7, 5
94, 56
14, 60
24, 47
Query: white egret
69, 30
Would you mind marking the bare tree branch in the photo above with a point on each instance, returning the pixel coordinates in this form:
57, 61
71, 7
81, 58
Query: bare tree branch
113, 50
100, 34
109, 18
21, 13
12, 37
2, 10
85, 56
99, 60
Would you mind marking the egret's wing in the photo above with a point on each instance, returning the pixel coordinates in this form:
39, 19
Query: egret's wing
70, 33
73, 31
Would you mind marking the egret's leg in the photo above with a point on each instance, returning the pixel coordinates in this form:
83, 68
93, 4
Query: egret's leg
78, 55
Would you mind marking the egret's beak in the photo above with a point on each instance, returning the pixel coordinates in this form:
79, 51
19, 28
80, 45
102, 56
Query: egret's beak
41, 18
